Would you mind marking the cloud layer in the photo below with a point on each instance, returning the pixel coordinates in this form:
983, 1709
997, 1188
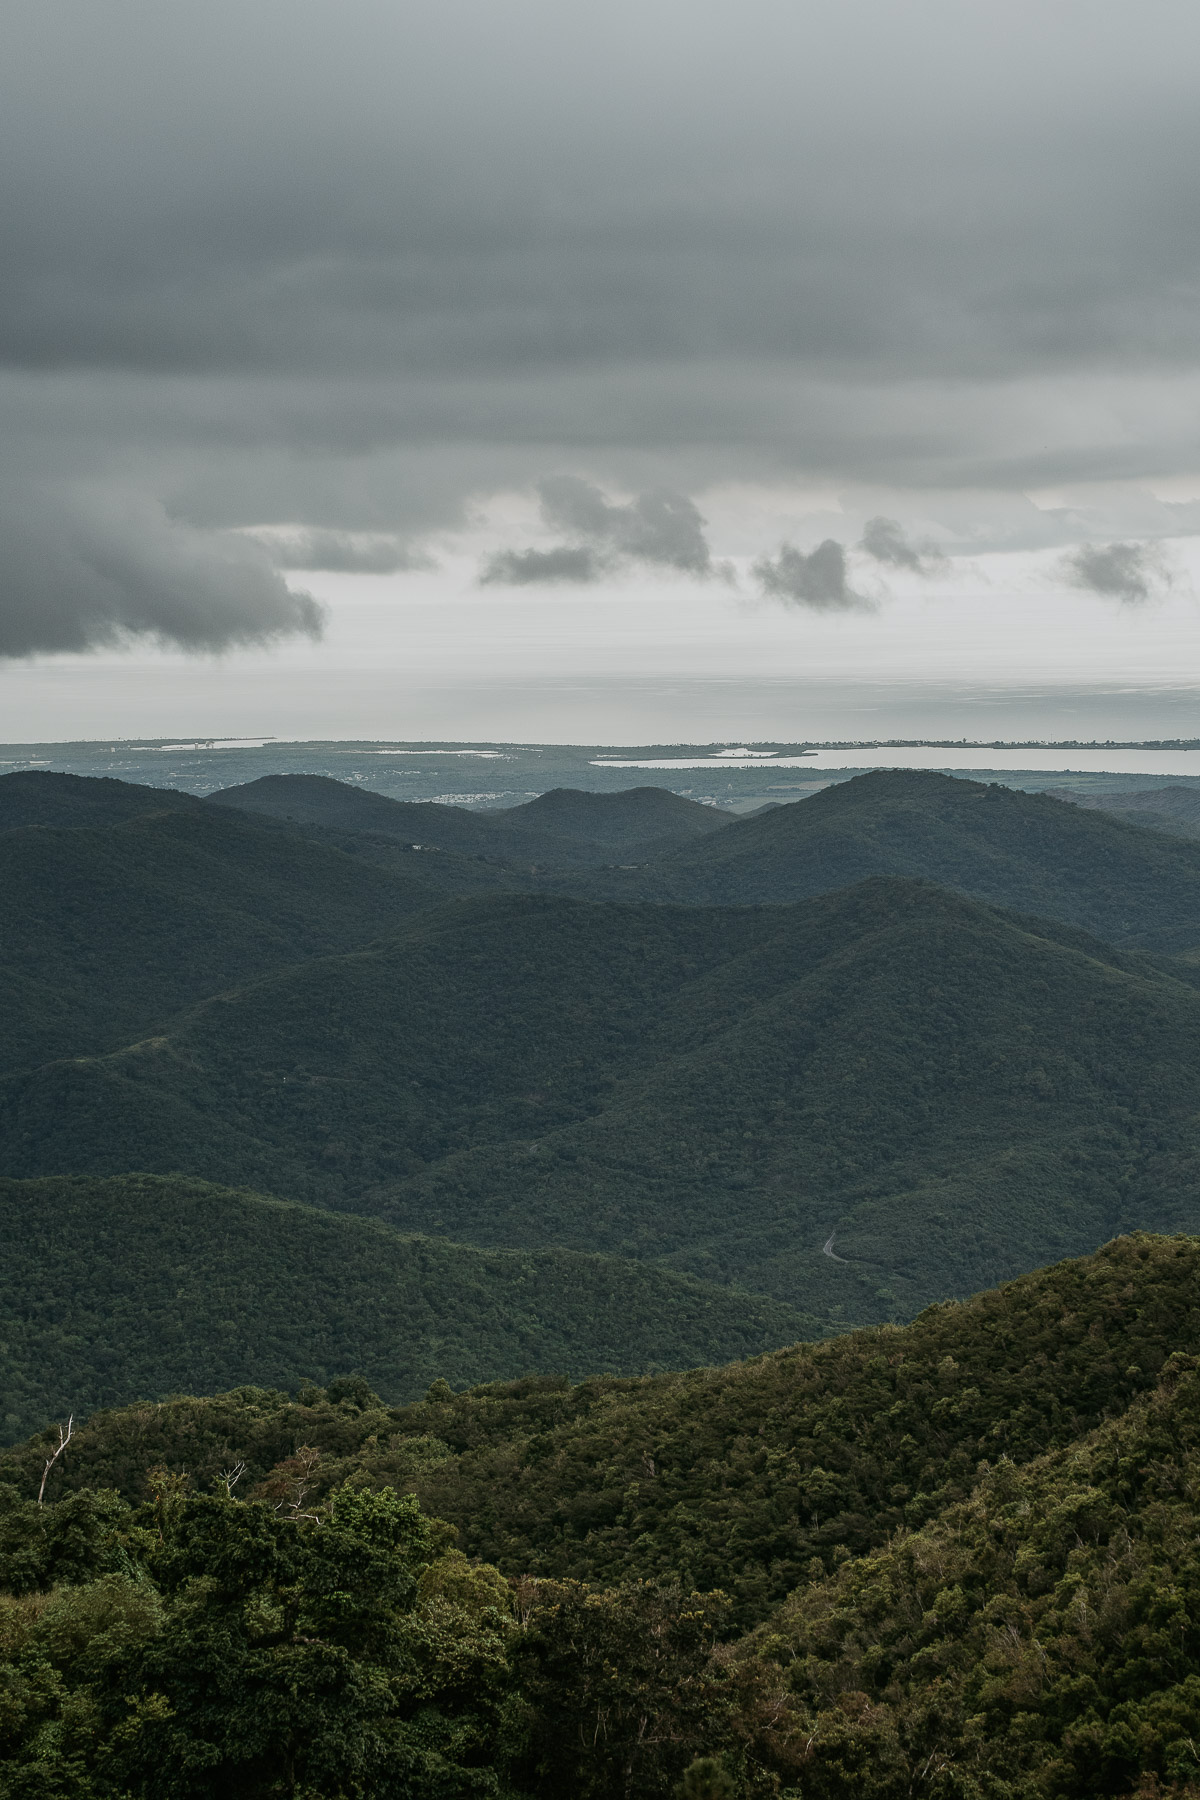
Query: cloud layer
346, 552
347, 270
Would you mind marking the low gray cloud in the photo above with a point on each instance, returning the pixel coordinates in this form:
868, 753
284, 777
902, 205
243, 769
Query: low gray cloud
817, 579
659, 528
886, 540
350, 552
1130, 572
79, 575
526, 568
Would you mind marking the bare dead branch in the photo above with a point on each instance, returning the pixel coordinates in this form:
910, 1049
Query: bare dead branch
64, 1438
229, 1478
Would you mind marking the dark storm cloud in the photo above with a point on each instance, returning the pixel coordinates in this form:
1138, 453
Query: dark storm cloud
887, 541
1130, 572
353, 266
818, 580
77, 576
658, 529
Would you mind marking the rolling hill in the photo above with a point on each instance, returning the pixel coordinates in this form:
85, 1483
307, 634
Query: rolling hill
1029, 852
138, 1287
1172, 807
44, 797
859, 1104
738, 1476
110, 926
564, 827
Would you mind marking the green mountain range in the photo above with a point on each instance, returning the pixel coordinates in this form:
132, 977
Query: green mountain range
858, 1104
561, 828
1030, 852
854, 1104
462, 1172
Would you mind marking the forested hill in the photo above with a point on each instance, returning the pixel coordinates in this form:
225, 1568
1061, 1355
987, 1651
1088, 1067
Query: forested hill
859, 1104
734, 1477
141, 1286
966, 1552
562, 828
1026, 851
631, 819
44, 797
1172, 806
107, 932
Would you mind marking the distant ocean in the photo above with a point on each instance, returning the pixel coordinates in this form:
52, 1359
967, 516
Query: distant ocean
493, 774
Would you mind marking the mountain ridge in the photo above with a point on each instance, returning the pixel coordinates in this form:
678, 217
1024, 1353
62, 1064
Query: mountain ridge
134, 1287
956, 1093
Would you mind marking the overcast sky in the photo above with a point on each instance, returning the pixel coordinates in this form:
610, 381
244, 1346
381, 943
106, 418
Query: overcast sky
373, 363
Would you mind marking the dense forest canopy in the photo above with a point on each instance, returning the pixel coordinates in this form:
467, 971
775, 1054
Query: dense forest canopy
137, 1286
250, 1595
726, 1092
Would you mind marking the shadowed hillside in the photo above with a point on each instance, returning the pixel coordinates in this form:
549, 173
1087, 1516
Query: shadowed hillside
859, 1104
1173, 807
44, 797
1025, 851
108, 927
138, 1287
735, 1476
644, 819
564, 827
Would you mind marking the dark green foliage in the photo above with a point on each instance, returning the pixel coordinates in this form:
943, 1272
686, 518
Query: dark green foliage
639, 822
706, 1778
1174, 806
619, 1686
954, 1094
736, 1478
245, 1655
140, 1286
1026, 851
1030, 1633
1039, 1640
740, 1478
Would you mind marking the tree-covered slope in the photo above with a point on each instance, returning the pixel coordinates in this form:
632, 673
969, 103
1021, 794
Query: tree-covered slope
320, 800
967, 1551
1041, 1639
46, 797
631, 820
140, 1286
1173, 807
1026, 851
860, 1104
106, 930
737, 1477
